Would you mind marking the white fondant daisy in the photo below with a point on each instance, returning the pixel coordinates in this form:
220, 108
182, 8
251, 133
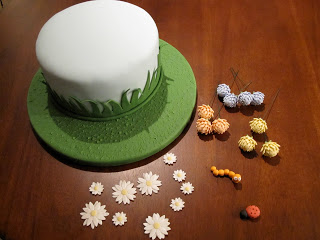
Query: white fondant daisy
119, 218
187, 188
157, 226
94, 214
177, 204
179, 175
124, 192
169, 158
149, 183
96, 188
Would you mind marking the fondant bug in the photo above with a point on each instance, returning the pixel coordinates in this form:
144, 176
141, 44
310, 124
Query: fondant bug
236, 178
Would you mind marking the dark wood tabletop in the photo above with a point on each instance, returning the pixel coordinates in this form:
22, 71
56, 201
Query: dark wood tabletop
274, 44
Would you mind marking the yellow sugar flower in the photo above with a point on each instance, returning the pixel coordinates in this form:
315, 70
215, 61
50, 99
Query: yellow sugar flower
258, 125
270, 149
247, 143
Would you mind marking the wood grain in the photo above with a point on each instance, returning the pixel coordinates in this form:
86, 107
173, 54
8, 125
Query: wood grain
274, 44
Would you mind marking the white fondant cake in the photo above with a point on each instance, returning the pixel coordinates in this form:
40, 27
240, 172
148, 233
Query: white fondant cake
98, 49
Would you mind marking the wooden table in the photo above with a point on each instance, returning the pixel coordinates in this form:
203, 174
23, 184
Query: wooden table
274, 44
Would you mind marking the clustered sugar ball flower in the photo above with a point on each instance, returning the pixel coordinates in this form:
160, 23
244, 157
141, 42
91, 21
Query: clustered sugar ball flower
204, 126
258, 125
247, 143
257, 98
230, 100
177, 204
124, 192
149, 183
220, 126
157, 226
96, 188
270, 149
245, 98
94, 214
205, 111
119, 219
223, 90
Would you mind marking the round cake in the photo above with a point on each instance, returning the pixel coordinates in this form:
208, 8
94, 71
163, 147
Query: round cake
100, 58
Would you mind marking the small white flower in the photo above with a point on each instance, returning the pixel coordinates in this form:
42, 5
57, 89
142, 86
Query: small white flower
149, 183
177, 204
94, 214
179, 175
119, 218
124, 192
157, 226
187, 188
96, 188
169, 158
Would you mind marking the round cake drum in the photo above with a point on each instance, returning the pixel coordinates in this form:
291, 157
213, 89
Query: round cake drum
126, 139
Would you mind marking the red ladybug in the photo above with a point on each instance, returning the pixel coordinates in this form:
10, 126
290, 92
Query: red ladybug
251, 211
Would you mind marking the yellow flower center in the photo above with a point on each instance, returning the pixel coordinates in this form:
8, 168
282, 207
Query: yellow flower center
156, 225
177, 204
93, 213
169, 158
187, 189
124, 192
149, 183
179, 175
96, 188
119, 218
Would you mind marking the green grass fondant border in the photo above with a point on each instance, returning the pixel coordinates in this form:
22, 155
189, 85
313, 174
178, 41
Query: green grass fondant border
126, 139
102, 111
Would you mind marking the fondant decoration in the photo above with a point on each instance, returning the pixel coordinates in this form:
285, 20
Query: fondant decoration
124, 192
98, 110
187, 188
243, 214
258, 125
236, 178
123, 140
179, 175
223, 90
169, 158
251, 211
257, 98
149, 183
177, 204
220, 126
97, 50
94, 214
230, 100
245, 98
96, 188
205, 111
156, 226
119, 218
247, 143
270, 149
204, 126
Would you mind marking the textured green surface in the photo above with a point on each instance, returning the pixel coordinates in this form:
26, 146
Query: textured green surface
108, 110
126, 139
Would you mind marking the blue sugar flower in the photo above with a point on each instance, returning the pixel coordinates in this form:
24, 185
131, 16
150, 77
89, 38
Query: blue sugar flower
230, 100
257, 98
223, 90
245, 98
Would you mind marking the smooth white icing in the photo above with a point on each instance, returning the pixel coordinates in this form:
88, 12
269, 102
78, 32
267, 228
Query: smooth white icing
98, 49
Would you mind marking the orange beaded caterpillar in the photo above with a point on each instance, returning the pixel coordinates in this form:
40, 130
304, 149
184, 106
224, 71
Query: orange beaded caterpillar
236, 178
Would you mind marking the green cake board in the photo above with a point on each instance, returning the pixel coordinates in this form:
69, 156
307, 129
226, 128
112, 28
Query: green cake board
126, 139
